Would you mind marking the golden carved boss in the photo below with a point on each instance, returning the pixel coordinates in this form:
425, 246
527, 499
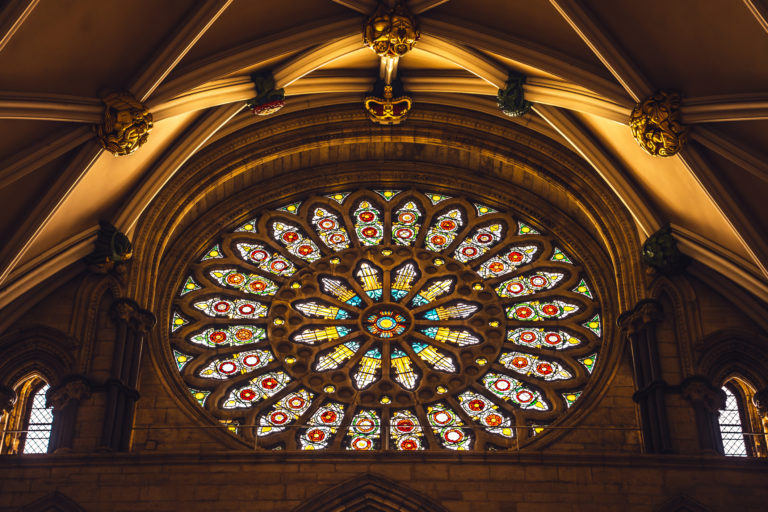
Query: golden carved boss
655, 124
391, 32
126, 124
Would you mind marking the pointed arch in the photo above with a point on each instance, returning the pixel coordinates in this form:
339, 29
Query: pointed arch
682, 504
369, 492
53, 502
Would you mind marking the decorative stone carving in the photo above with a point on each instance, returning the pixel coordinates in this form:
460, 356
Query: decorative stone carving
8, 398
511, 99
660, 252
699, 391
268, 100
645, 313
655, 124
112, 247
391, 32
388, 103
125, 310
126, 124
75, 390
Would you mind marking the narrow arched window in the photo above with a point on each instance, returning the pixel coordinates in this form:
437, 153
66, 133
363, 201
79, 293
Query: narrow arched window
731, 425
39, 423
27, 427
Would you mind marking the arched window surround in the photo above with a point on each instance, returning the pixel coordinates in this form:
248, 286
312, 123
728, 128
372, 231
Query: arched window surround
16, 422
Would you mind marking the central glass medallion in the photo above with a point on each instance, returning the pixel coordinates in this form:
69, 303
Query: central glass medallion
386, 322
379, 325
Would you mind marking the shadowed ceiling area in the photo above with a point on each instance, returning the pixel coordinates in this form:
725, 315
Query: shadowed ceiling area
191, 64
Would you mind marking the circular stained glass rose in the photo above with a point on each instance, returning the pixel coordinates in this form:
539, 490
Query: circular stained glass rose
385, 320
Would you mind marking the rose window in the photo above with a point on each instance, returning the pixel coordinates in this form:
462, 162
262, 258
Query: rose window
385, 320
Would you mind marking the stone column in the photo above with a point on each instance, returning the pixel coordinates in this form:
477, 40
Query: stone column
131, 325
7, 399
65, 400
707, 402
760, 401
639, 327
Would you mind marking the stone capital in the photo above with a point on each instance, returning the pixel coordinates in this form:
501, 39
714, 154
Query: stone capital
645, 313
699, 391
8, 398
74, 389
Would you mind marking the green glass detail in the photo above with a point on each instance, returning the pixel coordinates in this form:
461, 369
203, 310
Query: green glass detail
583, 289
177, 321
484, 210
589, 362
189, 286
436, 198
291, 208
248, 227
199, 395
560, 256
387, 194
212, 253
571, 397
339, 197
181, 359
594, 325
525, 229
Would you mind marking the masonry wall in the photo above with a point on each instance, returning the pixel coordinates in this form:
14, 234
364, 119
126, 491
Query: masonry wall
176, 464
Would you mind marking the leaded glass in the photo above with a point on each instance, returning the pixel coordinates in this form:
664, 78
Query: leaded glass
446, 426
248, 283
731, 429
443, 230
386, 319
364, 431
236, 364
229, 336
296, 243
330, 230
368, 225
406, 224
267, 260
40, 422
406, 432
528, 364
323, 426
508, 261
238, 308
257, 389
527, 285
486, 413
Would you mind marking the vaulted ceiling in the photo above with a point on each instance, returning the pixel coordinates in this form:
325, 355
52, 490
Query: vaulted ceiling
189, 61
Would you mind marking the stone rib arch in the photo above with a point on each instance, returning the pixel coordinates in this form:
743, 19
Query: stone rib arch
370, 492
36, 350
734, 353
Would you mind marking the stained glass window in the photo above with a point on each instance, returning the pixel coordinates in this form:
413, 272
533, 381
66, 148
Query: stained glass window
385, 320
39, 425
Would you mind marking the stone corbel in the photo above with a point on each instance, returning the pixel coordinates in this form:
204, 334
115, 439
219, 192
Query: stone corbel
661, 254
112, 250
511, 99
